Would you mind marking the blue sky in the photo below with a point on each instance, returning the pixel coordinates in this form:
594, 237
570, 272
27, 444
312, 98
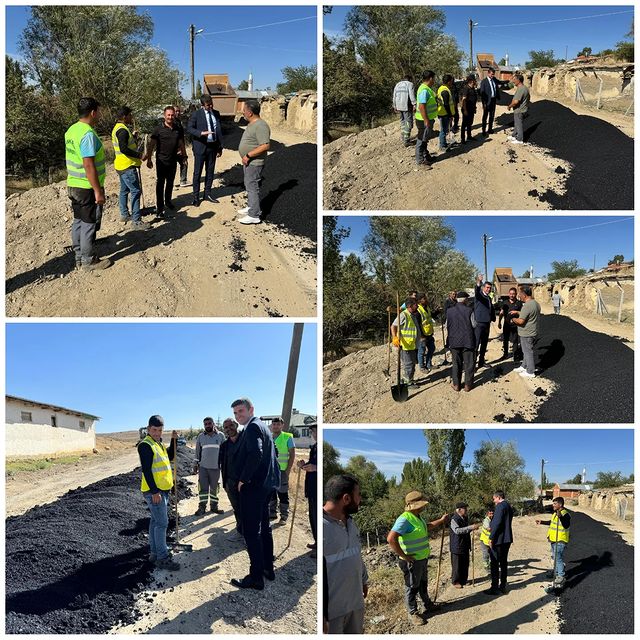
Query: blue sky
605, 240
488, 37
263, 51
565, 451
125, 372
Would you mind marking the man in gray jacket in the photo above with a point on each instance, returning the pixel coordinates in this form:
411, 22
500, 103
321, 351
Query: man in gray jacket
208, 467
404, 103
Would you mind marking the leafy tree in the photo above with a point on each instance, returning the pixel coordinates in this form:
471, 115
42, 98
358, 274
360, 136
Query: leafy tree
198, 89
418, 474
330, 465
577, 479
565, 269
617, 259
609, 479
624, 51
243, 85
526, 274
298, 79
446, 448
541, 59
502, 62
606, 52
586, 51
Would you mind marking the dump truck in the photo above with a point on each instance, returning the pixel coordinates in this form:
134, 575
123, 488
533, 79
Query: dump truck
225, 99
503, 280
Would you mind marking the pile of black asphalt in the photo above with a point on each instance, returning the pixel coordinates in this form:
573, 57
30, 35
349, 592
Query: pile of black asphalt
600, 154
75, 565
598, 596
593, 373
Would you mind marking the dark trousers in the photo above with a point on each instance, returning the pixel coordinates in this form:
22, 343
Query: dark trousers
462, 360
456, 121
254, 506
165, 176
498, 555
313, 516
415, 583
488, 113
231, 487
183, 161
206, 161
467, 121
482, 339
510, 335
459, 568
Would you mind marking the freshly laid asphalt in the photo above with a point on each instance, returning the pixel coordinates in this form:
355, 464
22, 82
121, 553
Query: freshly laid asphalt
601, 155
598, 596
76, 564
593, 373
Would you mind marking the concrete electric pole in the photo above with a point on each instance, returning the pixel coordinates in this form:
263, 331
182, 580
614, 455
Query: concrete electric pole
471, 25
292, 372
192, 36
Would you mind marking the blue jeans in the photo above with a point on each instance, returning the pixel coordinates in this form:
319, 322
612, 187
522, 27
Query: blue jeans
158, 525
130, 184
560, 559
444, 130
426, 349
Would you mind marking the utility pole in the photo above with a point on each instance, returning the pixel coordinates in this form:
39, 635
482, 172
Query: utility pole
541, 479
566, 53
471, 48
294, 356
594, 263
192, 37
485, 240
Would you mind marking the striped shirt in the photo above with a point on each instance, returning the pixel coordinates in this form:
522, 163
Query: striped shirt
208, 449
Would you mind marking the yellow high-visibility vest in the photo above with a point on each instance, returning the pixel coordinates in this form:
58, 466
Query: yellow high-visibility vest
442, 110
76, 175
427, 321
408, 333
416, 543
557, 533
431, 106
123, 161
282, 447
160, 467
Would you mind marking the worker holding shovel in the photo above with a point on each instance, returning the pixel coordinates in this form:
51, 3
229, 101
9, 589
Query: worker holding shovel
558, 536
409, 540
407, 331
156, 485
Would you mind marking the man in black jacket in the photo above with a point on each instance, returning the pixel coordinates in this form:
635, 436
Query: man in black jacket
460, 545
489, 94
510, 330
461, 342
205, 129
229, 468
500, 540
485, 314
259, 477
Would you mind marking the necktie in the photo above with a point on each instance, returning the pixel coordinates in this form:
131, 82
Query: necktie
212, 126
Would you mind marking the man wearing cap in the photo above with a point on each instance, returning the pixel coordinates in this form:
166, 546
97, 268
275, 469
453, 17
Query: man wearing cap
157, 482
409, 539
461, 342
500, 539
286, 452
406, 332
229, 468
208, 445
460, 545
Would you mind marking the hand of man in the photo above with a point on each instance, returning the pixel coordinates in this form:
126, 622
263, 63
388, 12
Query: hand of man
219, 152
301, 463
245, 160
205, 133
149, 163
538, 521
99, 195
365, 590
396, 341
174, 434
156, 498
476, 526
143, 158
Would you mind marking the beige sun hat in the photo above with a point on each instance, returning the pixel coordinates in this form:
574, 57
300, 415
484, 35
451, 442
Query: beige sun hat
415, 500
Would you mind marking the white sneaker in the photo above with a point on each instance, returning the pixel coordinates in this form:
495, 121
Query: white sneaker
511, 138
243, 211
514, 141
524, 374
249, 220
519, 369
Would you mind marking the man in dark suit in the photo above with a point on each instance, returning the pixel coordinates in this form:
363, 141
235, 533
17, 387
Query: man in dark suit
206, 132
259, 478
489, 94
485, 314
500, 539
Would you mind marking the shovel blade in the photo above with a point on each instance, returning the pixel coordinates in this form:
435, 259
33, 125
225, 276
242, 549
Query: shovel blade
400, 392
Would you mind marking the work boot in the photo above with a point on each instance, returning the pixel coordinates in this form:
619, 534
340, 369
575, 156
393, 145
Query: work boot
213, 507
417, 619
97, 264
201, 509
468, 387
168, 564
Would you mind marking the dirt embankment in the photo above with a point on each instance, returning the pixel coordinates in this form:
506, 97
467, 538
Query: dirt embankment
200, 262
597, 559
559, 168
585, 376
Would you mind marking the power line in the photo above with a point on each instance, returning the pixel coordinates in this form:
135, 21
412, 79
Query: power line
259, 26
562, 464
548, 233
256, 46
522, 24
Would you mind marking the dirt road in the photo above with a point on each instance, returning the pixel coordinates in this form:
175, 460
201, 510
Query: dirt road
586, 376
556, 170
199, 262
526, 608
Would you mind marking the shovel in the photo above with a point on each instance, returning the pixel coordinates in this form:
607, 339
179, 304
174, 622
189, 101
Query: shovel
435, 595
399, 391
177, 545
387, 371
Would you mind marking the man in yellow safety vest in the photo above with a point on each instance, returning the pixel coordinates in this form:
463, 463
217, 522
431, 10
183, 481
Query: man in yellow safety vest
406, 332
157, 482
409, 540
286, 452
427, 346
86, 171
558, 536
485, 547
426, 114
127, 164
446, 108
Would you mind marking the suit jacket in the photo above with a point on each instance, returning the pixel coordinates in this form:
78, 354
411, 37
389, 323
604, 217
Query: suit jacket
501, 532
483, 307
256, 458
485, 90
197, 124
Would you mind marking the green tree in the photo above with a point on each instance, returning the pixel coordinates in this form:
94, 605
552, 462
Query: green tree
565, 269
609, 479
540, 59
585, 51
526, 274
446, 448
330, 457
373, 484
198, 88
502, 62
624, 51
577, 479
417, 475
298, 79
243, 85
617, 259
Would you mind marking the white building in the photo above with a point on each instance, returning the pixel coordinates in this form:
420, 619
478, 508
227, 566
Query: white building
302, 423
35, 429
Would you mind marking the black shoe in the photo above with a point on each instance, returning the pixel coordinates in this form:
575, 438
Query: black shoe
503, 590
200, 511
273, 516
215, 509
210, 198
159, 213
492, 592
312, 545
170, 205
490, 131
247, 583
269, 574
196, 202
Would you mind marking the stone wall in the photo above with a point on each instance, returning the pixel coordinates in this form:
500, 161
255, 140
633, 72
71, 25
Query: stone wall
619, 501
299, 113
